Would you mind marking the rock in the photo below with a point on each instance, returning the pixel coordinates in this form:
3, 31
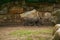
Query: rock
30, 17
56, 27
56, 35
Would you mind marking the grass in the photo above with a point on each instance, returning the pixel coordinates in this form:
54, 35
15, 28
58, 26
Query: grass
32, 34
29, 32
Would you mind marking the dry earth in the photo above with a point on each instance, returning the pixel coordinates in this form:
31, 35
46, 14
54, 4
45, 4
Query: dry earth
4, 32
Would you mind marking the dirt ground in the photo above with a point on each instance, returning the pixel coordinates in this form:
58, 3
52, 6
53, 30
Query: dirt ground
5, 30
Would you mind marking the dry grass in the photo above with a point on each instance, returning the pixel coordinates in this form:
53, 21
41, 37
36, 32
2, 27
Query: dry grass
26, 33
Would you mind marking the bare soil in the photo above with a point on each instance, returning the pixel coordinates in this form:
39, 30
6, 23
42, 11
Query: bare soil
5, 30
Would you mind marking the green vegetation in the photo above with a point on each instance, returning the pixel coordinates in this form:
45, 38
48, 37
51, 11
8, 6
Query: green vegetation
48, 1
29, 32
33, 34
6, 1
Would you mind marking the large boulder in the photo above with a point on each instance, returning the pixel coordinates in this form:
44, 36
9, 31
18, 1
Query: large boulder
57, 14
16, 10
55, 28
30, 17
56, 35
